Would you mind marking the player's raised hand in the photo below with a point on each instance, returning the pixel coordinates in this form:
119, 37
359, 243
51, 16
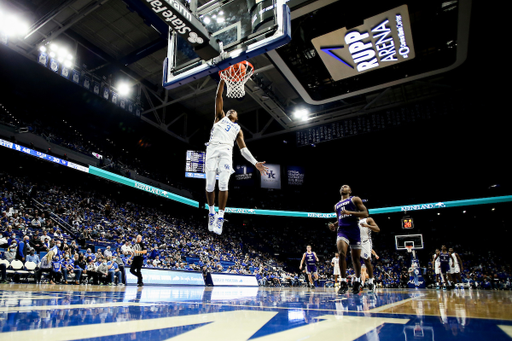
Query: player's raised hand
262, 168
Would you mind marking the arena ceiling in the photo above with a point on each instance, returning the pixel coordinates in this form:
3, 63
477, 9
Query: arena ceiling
112, 41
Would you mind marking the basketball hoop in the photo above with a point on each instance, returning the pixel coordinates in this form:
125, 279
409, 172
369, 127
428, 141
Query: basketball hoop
409, 248
235, 78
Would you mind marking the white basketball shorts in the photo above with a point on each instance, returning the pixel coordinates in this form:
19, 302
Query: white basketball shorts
366, 249
219, 157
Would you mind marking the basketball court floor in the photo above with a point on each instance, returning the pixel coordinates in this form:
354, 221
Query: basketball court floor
44, 312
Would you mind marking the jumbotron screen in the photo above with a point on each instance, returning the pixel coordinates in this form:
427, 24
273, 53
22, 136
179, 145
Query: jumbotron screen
195, 163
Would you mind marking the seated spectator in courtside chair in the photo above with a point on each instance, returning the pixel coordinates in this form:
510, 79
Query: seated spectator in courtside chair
45, 266
103, 272
10, 254
56, 269
33, 257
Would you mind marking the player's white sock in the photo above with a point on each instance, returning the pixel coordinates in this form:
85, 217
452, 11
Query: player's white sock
221, 214
212, 209
344, 280
370, 281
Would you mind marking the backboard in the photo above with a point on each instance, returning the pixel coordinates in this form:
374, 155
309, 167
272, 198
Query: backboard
238, 29
414, 240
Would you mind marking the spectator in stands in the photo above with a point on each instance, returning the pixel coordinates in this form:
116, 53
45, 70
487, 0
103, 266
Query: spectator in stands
56, 269
45, 237
45, 266
92, 272
90, 256
33, 257
12, 239
121, 266
103, 272
3, 242
10, 254
36, 223
113, 271
23, 248
107, 252
68, 268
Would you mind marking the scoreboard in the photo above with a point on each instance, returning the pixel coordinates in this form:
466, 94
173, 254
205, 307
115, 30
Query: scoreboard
195, 164
407, 223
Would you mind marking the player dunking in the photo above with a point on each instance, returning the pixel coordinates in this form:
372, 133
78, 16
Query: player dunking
366, 226
219, 158
311, 260
348, 211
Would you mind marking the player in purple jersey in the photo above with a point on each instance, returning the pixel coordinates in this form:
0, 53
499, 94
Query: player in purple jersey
444, 258
311, 260
348, 211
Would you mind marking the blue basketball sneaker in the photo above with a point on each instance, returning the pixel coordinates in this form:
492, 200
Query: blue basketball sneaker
211, 221
219, 224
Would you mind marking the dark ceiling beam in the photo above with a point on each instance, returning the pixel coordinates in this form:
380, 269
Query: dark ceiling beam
143, 52
108, 59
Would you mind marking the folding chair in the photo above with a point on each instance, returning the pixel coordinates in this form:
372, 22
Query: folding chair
31, 267
17, 266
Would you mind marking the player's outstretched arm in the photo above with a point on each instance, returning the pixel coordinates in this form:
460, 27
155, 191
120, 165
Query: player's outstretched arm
247, 154
363, 211
372, 225
219, 102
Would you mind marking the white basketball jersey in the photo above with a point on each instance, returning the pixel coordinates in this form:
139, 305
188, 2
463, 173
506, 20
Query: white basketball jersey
335, 261
224, 132
437, 262
365, 231
454, 262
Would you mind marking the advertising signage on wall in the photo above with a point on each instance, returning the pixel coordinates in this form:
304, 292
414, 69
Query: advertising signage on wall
383, 40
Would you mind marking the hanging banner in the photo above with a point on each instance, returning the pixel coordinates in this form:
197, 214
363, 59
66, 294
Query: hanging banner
43, 59
272, 180
105, 93
244, 175
114, 97
76, 77
64, 72
87, 83
96, 88
54, 65
295, 175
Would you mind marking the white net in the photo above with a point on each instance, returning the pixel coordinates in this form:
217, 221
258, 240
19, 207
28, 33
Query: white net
235, 78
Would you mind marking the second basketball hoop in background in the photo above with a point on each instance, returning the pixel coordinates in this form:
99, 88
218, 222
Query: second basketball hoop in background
235, 78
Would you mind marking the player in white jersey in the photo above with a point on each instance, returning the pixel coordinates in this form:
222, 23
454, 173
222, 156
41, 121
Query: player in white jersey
219, 158
437, 267
335, 262
367, 226
455, 268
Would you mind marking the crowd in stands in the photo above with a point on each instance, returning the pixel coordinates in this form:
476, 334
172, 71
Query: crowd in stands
74, 235
82, 232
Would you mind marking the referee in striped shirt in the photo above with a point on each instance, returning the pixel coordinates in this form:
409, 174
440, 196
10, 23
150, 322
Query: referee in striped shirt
138, 258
